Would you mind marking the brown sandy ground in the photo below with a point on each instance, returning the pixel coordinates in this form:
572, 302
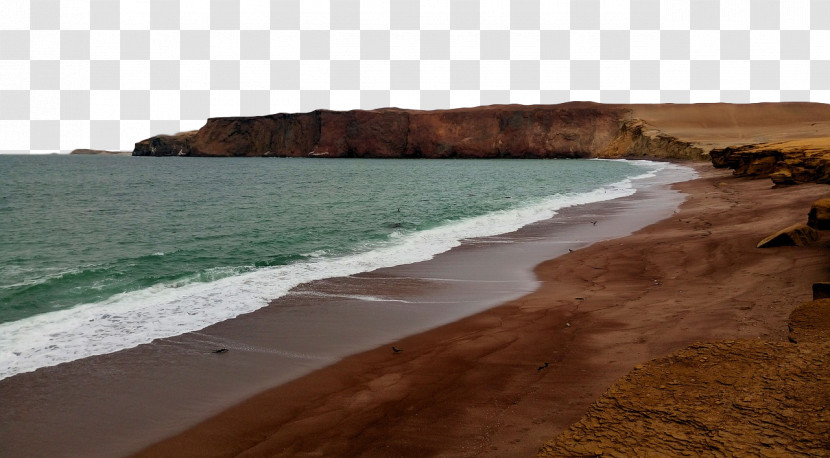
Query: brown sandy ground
728, 398
480, 386
746, 397
718, 125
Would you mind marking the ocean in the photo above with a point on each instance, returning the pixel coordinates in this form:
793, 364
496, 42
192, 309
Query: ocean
102, 253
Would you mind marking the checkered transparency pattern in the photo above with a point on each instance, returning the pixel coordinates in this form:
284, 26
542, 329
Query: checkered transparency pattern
104, 74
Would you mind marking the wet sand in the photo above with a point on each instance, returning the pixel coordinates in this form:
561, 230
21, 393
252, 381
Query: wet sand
501, 382
115, 404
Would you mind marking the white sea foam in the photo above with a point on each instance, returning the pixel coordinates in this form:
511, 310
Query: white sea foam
134, 318
316, 254
359, 297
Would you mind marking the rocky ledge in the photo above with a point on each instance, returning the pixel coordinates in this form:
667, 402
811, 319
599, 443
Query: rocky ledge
727, 398
785, 163
568, 130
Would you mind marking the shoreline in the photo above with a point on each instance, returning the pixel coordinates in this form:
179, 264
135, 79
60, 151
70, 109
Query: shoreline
87, 406
480, 385
96, 327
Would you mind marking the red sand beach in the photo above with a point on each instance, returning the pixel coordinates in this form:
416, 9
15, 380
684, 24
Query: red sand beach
115, 404
498, 383
501, 382
523, 356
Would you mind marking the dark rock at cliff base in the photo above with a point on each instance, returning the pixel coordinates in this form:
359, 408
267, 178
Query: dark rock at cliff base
795, 235
782, 178
819, 216
166, 145
821, 290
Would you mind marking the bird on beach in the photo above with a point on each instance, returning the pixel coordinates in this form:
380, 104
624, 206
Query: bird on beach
396, 350
542, 367
221, 350
594, 222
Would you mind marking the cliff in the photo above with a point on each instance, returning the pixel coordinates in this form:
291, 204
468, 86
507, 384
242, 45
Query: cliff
574, 129
637, 138
577, 130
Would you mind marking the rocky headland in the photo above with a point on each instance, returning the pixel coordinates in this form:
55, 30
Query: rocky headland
568, 130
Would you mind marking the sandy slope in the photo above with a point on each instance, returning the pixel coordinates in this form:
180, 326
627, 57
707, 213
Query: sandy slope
716, 125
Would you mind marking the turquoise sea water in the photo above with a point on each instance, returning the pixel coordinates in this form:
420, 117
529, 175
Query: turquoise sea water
103, 253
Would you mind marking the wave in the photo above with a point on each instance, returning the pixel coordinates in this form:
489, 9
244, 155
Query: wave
129, 319
359, 297
28, 277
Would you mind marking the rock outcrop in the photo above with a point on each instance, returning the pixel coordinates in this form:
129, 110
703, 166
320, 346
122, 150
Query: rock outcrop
819, 216
785, 163
166, 145
636, 138
821, 290
795, 235
574, 129
728, 398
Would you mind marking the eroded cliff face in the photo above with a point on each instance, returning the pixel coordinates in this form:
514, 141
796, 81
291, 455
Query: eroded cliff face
514, 131
273, 135
636, 138
166, 145
573, 129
